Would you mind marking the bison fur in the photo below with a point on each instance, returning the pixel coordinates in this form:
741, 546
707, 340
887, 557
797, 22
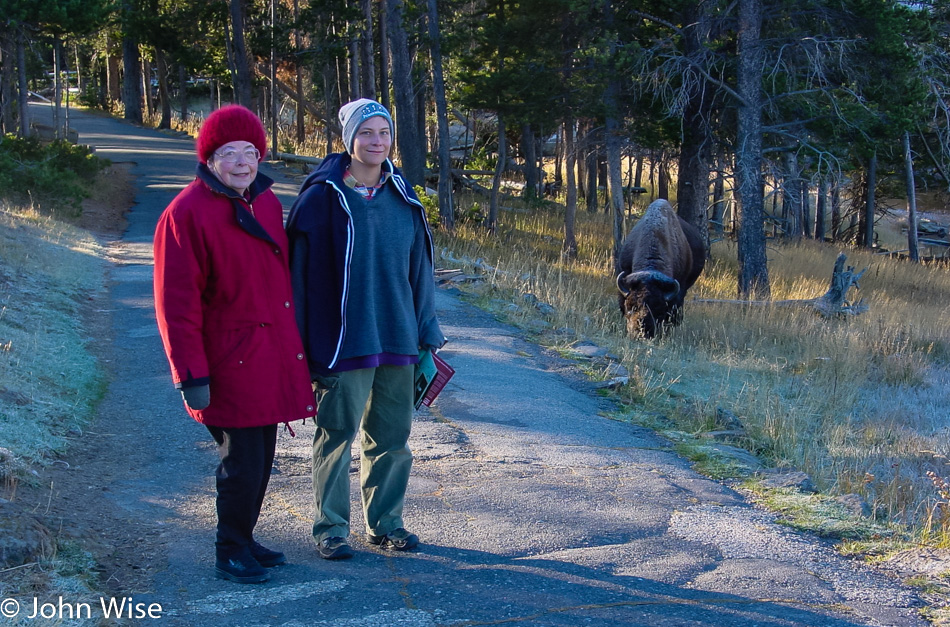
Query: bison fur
660, 259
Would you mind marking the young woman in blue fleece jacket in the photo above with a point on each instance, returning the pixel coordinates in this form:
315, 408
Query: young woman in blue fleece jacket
362, 271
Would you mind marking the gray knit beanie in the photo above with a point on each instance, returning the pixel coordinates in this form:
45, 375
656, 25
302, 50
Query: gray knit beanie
353, 114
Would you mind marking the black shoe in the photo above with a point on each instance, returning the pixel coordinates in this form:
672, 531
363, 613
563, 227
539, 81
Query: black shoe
396, 540
267, 557
334, 549
240, 567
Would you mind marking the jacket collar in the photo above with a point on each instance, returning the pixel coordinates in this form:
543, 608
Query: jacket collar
334, 165
240, 203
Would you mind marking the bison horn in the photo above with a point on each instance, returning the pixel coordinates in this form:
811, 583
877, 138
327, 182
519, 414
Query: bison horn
621, 284
672, 289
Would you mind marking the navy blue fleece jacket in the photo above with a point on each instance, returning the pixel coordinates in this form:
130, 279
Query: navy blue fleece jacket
342, 313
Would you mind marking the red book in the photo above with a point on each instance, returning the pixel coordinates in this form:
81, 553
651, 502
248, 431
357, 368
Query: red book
432, 373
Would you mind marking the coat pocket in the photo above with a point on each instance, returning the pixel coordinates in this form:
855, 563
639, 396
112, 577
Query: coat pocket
228, 348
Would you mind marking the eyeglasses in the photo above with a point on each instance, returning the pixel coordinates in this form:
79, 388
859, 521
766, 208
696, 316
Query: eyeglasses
231, 156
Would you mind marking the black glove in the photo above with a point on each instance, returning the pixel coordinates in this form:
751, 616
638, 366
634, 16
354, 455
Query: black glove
197, 397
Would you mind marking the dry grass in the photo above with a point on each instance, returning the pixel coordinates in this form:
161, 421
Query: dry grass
861, 404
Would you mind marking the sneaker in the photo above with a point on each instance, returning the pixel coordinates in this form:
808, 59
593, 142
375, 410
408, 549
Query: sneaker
267, 558
396, 540
335, 548
240, 567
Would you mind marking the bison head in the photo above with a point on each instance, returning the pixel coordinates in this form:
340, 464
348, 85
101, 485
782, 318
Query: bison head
648, 300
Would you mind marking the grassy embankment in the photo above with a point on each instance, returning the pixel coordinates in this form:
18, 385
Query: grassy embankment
860, 403
50, 382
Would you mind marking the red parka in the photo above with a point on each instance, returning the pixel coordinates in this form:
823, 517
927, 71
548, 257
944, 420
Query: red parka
224, 304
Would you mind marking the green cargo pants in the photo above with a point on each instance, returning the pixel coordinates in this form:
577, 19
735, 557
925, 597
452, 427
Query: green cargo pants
380, 401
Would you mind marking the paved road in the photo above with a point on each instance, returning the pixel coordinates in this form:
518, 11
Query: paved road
532, 508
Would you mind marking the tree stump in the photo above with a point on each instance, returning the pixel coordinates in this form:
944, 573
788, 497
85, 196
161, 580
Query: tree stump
834, 302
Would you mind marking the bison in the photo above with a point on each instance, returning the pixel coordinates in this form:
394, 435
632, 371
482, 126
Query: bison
660, 259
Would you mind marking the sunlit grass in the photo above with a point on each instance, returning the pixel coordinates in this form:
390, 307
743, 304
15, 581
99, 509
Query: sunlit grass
859, 403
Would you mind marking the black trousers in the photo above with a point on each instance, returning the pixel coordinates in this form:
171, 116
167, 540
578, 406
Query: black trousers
247, 456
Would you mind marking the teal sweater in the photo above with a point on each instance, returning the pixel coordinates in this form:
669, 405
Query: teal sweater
389, 256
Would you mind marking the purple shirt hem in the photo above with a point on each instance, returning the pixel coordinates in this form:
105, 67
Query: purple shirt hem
374, 361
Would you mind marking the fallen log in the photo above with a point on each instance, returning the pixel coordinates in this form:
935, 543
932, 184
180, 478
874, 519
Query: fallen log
832, 303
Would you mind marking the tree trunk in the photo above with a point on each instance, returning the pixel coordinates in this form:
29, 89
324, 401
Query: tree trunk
384, 56
492, 223
719, 194
753, 269
24, 89
806, 208
446, 207
836, 212
530, 162
792, 198
58, 87
368, 51
870, 209
612, 139
580, 149
912, 246
591, 157
570, 208
163, 97
663, 178
131, 80
272, 101
409, 139
8, 82
113, 89
353, 49
242, 72
146, 86
614, 175
328, 133
692, 192
298, 47
820, 209
183, 92
81, 81
113, 81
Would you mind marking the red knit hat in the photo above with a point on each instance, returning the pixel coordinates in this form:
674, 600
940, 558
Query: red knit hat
230, 124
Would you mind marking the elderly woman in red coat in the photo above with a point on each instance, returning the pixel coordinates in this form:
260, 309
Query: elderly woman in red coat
225, 312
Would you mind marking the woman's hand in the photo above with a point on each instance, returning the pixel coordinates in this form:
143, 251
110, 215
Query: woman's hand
198, 397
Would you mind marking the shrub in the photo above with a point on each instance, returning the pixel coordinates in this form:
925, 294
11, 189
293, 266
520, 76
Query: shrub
51, 174
431, 204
